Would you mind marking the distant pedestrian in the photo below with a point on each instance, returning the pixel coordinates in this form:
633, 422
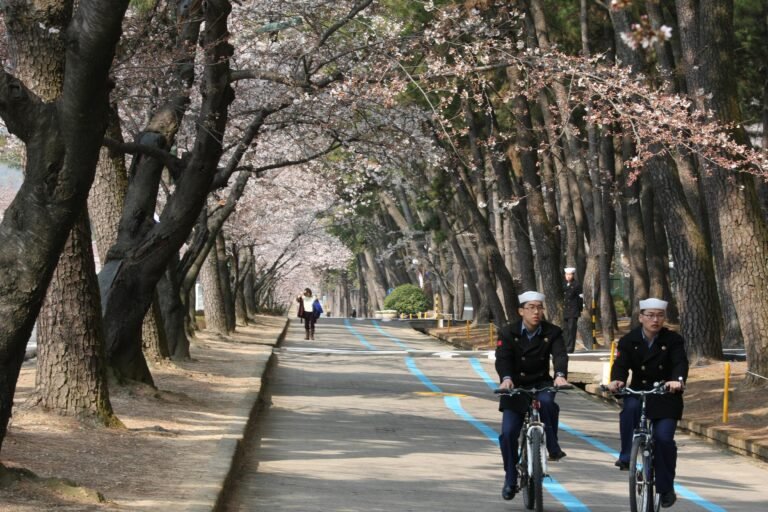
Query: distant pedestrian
354, 313
310, 310
573, 304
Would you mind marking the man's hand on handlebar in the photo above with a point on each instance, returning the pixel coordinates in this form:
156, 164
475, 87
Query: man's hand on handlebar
615, 386
506, 384
674, 386
560, 382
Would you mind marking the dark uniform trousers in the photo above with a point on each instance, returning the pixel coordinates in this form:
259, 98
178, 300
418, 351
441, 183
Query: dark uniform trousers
665, 452
665, 360
569, 333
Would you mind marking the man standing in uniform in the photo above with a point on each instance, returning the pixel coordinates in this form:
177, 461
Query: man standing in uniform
654, 354
572, 306
522, 360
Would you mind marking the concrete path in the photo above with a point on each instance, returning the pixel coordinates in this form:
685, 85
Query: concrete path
377, 417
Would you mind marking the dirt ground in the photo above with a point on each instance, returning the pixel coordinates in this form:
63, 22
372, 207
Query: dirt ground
165, 449
171, 432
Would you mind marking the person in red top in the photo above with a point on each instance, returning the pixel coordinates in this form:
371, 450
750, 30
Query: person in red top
523, 352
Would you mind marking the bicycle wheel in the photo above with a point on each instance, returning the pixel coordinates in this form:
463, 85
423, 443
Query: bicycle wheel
641, 495
525, 483
537, 472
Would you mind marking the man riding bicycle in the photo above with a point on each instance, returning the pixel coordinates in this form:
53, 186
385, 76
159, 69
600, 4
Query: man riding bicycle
654, 354
523, 351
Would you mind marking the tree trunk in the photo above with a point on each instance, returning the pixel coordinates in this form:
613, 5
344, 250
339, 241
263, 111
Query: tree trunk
227, 297
71, 377
174, 313
376, 282
547, 253
143, 250
461, 260
215, 312
706, 34
153, 339
62, 141
699, 308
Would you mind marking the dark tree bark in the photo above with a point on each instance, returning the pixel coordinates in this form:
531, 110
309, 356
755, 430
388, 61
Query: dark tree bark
213, 296
461, 261
68, 383
62, 141
174, 313
706, 34
143, 249
547, 253
227, 296
154, 341
71, 376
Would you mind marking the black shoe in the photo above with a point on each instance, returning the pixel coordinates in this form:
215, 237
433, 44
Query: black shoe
508, 492
668, 499
624, 466
556, 457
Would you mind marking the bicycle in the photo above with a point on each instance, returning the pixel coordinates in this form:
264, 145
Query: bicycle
642, 493
532, 448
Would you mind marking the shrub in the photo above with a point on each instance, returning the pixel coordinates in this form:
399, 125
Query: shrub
407, 298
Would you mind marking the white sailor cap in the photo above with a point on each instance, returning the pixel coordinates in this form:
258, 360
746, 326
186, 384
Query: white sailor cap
653, 304
529, 296
569, 270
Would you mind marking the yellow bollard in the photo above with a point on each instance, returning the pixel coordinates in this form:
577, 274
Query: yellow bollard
726, 385
613, 354
467, 330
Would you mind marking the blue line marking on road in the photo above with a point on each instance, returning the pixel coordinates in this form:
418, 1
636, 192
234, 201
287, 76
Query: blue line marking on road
411, 364
683, 491
692, 496
454, 404
358, 335
482, 373
393, 338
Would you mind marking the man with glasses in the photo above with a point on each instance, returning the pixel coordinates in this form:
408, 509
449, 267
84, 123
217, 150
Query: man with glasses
523, 351
653, 354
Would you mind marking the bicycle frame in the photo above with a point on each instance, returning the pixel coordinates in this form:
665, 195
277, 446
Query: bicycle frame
642, 484
532, 446
531, 423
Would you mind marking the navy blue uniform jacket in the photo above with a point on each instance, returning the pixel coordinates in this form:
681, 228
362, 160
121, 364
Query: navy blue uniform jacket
665, 360
527, 362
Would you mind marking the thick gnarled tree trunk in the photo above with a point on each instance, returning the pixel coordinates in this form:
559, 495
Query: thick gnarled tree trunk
62, 141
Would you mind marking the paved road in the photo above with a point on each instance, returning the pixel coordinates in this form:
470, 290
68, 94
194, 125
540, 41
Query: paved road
358, 424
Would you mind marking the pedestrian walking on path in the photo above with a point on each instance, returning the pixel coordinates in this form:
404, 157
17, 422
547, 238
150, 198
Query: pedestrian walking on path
573, 303
310, 310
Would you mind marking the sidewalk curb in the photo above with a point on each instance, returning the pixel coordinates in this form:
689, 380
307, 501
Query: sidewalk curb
223, 464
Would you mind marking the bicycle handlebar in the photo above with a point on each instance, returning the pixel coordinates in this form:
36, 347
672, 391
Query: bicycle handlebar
659, 388
531, 391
